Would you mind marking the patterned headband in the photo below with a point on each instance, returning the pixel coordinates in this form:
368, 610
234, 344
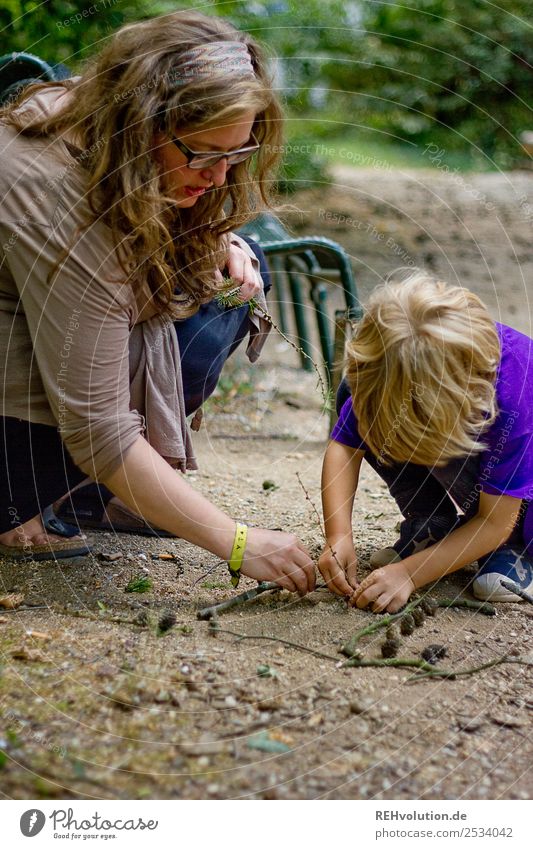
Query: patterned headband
227, 57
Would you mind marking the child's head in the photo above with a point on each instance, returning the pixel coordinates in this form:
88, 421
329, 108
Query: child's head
421, 368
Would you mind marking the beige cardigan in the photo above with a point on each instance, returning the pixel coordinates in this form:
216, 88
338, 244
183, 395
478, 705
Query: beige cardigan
75, 355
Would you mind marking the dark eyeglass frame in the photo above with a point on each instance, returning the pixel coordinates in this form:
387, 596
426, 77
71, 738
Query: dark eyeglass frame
198, 159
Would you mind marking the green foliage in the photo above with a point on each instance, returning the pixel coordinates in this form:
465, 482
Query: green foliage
139, 584
441, 72
453, 74
62, 30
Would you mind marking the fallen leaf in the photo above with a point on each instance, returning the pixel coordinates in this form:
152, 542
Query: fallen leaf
11, 600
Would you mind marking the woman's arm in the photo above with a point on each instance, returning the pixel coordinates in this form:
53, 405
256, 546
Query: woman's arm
149, 486
389, 588
340, 476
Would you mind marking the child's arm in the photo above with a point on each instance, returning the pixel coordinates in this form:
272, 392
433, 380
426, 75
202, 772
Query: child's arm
389, 588
340, 475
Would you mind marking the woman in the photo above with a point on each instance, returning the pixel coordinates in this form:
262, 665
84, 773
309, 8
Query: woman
120, 188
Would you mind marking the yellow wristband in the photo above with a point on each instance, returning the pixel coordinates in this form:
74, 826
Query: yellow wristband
237, 553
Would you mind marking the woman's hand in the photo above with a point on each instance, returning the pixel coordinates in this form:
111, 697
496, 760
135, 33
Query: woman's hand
279, 557
338, 566
387, 588
242, 271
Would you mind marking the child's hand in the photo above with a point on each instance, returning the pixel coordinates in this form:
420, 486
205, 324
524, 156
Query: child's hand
339, 571
387, 588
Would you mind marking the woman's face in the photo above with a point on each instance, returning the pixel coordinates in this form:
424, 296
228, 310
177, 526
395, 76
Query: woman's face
186, 184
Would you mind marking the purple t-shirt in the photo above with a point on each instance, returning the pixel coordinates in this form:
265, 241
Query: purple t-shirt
506, 466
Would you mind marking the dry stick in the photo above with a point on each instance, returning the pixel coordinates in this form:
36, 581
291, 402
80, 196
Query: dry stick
429, 671
442, 673
263, 587
514, 588
484, 607
319, 521
230, 298
213, 626
325, 392
426, 669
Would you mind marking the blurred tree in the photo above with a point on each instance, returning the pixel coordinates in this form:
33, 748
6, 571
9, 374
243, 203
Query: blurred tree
443, 71
51, 30
422, 68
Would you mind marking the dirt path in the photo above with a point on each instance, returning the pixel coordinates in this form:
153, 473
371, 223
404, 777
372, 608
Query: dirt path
111, 709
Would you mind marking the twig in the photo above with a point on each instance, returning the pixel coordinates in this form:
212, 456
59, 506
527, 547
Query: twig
229, 298
216, 630
325, 392
209, 612
514, 588
319, 521
389, 661
452, 674
210, 571
479, 606
22, 609
426, 669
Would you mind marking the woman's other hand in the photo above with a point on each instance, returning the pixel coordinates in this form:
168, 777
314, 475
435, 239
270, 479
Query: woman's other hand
241, 269
279, 557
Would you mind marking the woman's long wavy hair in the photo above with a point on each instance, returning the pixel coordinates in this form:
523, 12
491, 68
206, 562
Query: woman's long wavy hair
421, 368
126, 95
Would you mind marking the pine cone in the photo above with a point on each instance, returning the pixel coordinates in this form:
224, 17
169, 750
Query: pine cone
166, 621
390, 648
392, 633
407, 624
429, 605
419, 616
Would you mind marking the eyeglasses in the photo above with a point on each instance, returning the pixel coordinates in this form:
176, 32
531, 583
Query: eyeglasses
197, 159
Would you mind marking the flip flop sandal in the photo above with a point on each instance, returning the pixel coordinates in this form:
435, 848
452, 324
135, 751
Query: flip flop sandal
94, 507
51, 551
53, 524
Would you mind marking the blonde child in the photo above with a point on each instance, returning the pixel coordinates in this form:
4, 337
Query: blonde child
441, 406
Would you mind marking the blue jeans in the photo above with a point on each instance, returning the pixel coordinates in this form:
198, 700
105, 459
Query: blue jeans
208, 338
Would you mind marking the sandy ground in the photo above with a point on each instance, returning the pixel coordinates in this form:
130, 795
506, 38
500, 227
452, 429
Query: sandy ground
95, 703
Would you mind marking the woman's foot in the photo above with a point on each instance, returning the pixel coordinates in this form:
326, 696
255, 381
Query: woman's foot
32, 533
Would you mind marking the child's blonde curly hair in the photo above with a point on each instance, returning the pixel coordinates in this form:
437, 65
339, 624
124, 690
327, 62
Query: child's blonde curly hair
421, 369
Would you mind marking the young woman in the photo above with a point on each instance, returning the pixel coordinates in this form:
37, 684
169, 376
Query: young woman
441, 407
121, 189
